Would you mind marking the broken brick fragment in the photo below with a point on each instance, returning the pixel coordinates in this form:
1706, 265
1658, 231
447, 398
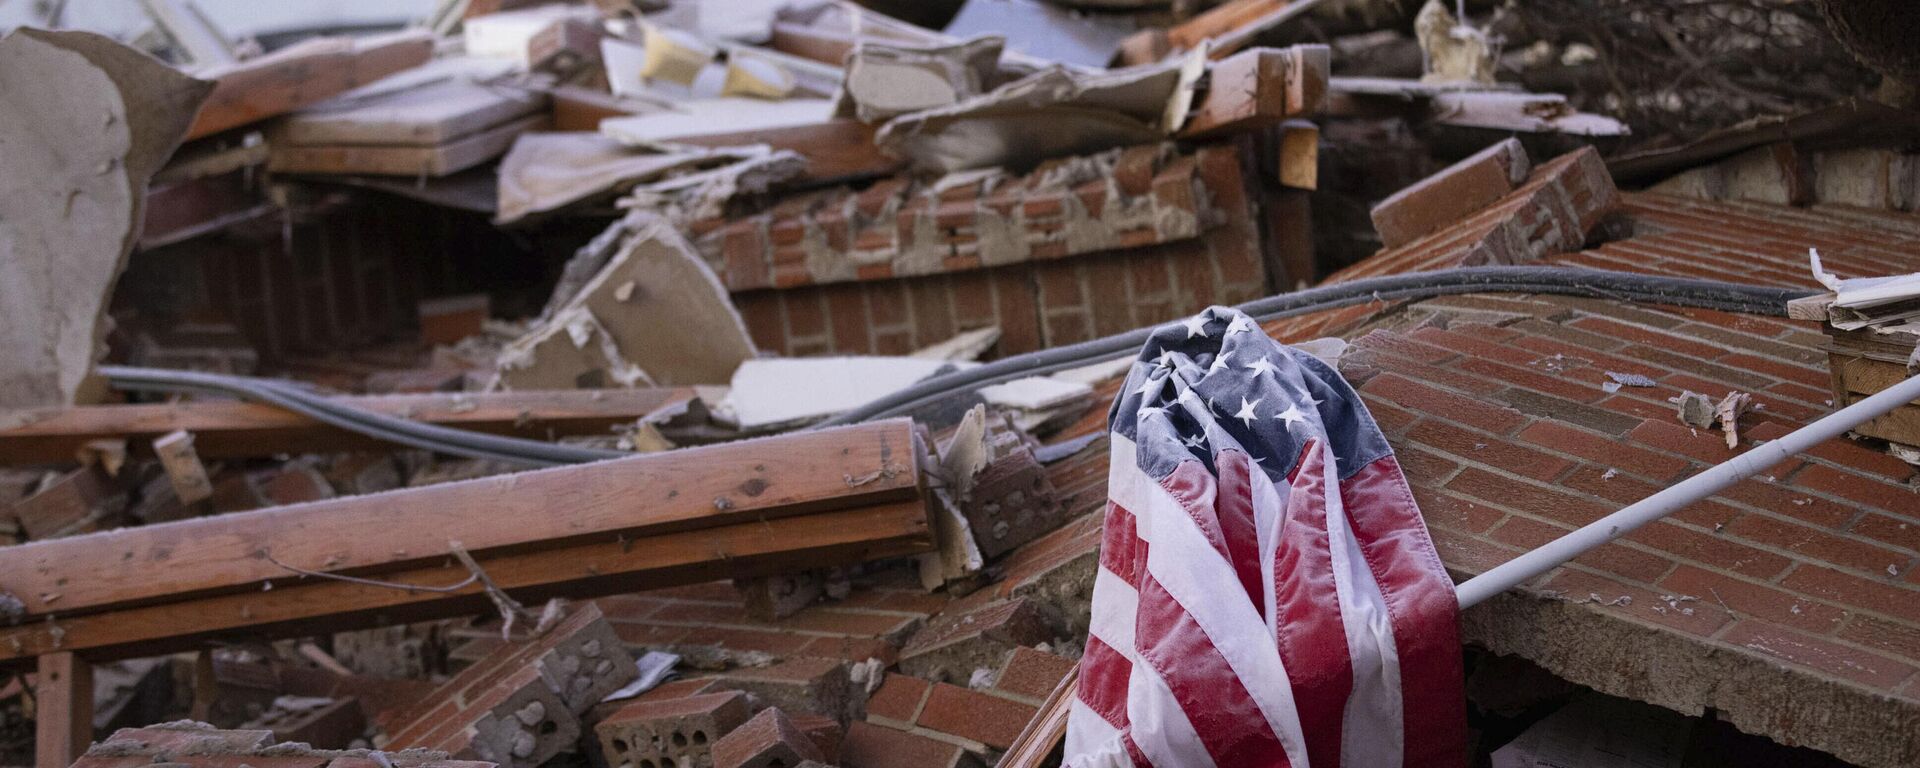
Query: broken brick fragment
769, 740
669, 732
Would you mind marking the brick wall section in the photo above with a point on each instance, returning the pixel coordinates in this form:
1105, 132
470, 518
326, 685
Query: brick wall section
1551, 213
198, 745
982, 721
1122, 198
1802, 584
1047, 300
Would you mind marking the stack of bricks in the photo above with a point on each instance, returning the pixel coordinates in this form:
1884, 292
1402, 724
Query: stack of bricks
198, 745
870, 621
520, 705
1076, 249
1550, 213
943, 718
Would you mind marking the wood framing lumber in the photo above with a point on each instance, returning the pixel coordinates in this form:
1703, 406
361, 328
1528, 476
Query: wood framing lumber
1227, 26
63, 701
841, 148
1261, 87
434, 161
225, 429
297, 606
379, 534
302, 74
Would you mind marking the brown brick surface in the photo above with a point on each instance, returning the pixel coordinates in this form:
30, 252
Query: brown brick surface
769, 740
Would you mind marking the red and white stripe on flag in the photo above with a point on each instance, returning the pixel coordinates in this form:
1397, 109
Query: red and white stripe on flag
1244, 616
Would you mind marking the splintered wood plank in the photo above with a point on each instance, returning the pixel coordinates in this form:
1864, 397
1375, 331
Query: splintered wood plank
297, 606
301, 74
758, 479
224, 429
1258, 88
433, 161
63, 701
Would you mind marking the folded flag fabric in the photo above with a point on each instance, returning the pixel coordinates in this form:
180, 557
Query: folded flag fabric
1267, 592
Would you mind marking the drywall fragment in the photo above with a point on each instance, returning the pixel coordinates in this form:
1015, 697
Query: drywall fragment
1055, 112
73, 174
759, 76
673, 55
1630, 379
773, 392
696, 117
570, 351
1034, 393
1728, 414
1454, 51
966, 345
549, 171
1695, 410
887, 80
655, 312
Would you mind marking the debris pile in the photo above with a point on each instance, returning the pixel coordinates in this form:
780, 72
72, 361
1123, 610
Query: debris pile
647, 383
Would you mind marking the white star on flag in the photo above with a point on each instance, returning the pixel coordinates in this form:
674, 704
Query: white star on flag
1292, 416
1197, 326
1165, 360
1260, 366
1246, 414
1152, 410
1199, 440
1150, 387
1240, 324
1219, 362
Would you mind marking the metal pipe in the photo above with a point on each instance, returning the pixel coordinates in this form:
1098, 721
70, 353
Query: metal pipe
1555, 553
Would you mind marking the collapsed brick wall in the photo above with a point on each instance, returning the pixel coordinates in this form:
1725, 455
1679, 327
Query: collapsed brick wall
1060, 255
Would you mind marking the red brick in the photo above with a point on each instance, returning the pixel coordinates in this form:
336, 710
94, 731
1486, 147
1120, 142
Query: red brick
1790, 501
876, 746
805, 314
669, 731
1826, 656
1032, 673
1709, 549
1487, 449
1898, 531
1418, 396
1902, 640
1538, 500
1816, 544
1133, 171
1847, 589
1858, 488
1046, 204
990, 720
1604, 451
769, 740
1603, 594
1626, 562
898, 700
1678, 344
1746, 598
1450, 195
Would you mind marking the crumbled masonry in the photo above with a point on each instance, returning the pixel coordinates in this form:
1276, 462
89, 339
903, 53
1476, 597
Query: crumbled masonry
716, 384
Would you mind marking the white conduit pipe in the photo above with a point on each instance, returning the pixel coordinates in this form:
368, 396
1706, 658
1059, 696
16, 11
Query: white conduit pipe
1553, 554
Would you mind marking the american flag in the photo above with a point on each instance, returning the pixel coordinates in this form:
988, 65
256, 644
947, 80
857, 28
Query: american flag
1267, 592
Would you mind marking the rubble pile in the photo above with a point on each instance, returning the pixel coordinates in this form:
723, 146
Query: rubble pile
725, 384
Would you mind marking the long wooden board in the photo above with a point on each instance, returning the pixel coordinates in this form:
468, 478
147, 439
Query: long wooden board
651, 494
303, 74
433, 161
225, 429
297, 606
1259, 88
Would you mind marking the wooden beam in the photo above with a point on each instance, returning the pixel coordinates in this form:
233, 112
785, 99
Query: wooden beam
382, 533
224, 429
297, 606
301, 74
1258, 88
838, 149
1229, 26
824, 46
63, 701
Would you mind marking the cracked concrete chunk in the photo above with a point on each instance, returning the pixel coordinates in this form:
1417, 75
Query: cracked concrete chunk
73, 173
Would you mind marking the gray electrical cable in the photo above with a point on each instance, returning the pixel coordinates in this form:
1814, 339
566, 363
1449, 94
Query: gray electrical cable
1565, 281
